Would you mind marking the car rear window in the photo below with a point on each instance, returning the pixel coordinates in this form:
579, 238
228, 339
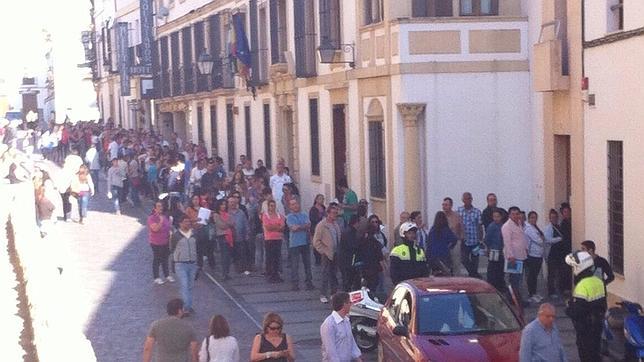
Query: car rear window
463, 313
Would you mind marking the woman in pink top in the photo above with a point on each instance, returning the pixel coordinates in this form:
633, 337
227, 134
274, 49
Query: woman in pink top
273, 224
224, 233
159, 236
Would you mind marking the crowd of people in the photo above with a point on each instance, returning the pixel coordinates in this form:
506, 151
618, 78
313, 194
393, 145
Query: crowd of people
247, 215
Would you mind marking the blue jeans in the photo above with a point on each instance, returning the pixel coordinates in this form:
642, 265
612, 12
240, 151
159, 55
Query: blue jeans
83, 202
515, 281
134, 194
116, 194
305, 252
226, 254
186, 273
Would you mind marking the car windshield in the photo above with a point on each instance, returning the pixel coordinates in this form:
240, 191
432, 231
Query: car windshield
462, 313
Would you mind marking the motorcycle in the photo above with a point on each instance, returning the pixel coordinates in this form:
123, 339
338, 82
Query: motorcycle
633, 331
632, 318
364, 316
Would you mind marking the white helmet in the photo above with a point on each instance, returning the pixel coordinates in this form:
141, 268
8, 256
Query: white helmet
579, 261
407, 226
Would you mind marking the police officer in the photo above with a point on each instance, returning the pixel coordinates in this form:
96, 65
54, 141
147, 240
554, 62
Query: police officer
407, 260
587, 306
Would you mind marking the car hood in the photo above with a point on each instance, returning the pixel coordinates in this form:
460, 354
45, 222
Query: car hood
503, 347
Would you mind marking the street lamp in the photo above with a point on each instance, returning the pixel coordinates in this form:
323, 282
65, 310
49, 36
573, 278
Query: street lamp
327, 53
205, 63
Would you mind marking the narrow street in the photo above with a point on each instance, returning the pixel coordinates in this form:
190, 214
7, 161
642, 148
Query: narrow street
111, 260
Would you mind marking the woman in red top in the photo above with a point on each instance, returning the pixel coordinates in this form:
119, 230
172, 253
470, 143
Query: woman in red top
159, 237
273, 223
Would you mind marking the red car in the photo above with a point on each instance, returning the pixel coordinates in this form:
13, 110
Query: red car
448, 319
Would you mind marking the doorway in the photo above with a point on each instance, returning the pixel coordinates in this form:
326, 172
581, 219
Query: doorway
339, 147
563, 182
286, 138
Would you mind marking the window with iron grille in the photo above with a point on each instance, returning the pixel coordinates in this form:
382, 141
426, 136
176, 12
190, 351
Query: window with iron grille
279, 43
315, 136
430, 8
213, 131
187, 63
230, 133
616, 205
616, 16
200, 123
176, 64
305, 38
228, 62
262, 43
372, 11
377, 160
330, 23
479, 7
214, 39
247, 130
268, 157
165, 67
254, 41
200, 47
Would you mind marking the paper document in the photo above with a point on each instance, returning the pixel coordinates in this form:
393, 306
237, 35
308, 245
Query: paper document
203, 215
514, 268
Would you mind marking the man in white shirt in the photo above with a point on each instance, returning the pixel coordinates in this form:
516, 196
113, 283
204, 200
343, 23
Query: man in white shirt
195, 176
92, 159
113, 147
338, 344
277, 182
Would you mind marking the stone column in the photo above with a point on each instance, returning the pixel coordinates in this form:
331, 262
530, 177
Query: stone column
207, 136
410, 113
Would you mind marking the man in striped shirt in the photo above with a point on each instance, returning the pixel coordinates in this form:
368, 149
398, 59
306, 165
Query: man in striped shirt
472, 235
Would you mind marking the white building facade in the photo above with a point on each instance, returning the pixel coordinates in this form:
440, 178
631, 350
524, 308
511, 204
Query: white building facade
437, 101
613, 132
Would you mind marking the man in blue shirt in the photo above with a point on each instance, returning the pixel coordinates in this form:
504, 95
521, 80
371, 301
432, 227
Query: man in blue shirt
540, 341
299, 225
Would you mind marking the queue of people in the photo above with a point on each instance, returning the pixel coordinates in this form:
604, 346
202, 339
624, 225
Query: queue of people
246, 219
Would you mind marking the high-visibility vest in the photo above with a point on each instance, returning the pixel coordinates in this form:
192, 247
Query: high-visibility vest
402, 252
590, 289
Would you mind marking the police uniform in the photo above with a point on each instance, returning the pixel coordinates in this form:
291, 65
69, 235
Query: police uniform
586, 309
407, 262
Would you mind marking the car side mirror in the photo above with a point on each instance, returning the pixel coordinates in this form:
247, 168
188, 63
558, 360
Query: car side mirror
401, 331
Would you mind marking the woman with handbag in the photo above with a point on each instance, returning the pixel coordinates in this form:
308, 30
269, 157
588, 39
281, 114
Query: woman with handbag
82, 187
219, 346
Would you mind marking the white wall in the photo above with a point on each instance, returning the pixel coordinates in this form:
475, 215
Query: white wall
616, 117
478, 136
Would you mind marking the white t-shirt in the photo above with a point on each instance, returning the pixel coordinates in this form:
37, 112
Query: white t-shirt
277, 184
221, 350
113, 149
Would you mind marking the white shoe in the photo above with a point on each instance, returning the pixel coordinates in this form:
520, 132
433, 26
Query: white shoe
324, 299
246, 272
170, 279
159, 281
540, 298
534, 299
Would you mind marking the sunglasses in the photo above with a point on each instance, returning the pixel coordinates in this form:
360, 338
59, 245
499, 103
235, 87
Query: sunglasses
274, 328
